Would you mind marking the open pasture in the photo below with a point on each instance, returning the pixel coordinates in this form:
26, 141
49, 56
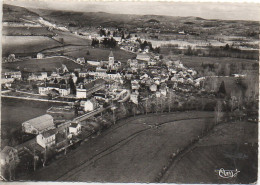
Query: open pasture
47, 64
26, 45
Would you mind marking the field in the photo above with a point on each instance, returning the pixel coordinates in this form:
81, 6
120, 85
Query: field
26, 45
133, 150
47, 64
195, 62
26, 31
14, 112
230, 146
94, 53
71, 39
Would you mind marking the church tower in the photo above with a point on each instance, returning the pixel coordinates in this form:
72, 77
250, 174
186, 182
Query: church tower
111, 59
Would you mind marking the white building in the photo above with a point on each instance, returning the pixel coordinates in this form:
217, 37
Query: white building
111, 60
143, 56
40, 56
74, 128
81, 92
83, 74
80, 60
63, 89
89, 106
38, 125
47, 138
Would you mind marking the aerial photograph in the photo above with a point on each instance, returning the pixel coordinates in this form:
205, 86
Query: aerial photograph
129, 92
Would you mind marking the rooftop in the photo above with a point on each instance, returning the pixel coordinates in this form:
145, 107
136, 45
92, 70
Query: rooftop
49, 133
111, 54
42, 122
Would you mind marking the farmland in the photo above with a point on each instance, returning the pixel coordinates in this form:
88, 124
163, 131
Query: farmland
14, 112
26, 31
47, 64
26, 45
71, 39
124, 152
230, 146
91, 53
195, 62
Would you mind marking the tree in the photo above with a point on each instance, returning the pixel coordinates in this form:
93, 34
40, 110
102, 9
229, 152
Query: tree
189, 50
128, 36
102, 32
122, 35
222, 89
72, 85
218, 112
157, 49
94, 42
226, 47
55, 81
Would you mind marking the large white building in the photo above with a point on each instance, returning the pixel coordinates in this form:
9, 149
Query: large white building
38, 125
63, 89
47, 138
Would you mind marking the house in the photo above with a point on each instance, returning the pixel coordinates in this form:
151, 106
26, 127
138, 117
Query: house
134, 97
81, 91
38, 125
38, 76
100, 95
153, 87
132, 63
7, 79
151, 62
12, 74
8, 155
46, 138
90, 105
94, 63
113, 74
84, 90
135, 85
63, 69
146, 49
81, 60
163, 89
40, 56
143, 57
83, 74
62, 89
75, 128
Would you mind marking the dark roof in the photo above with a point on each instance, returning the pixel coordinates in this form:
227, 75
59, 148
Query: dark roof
49, 133
60, 86
112, 72
74, 125
96, 82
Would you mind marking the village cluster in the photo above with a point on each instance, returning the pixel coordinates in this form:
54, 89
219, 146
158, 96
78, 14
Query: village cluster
90, 92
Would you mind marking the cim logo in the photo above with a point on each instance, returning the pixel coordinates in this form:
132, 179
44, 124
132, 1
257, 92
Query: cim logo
227, 173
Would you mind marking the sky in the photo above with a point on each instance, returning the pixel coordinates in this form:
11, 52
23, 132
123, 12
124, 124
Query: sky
213, 10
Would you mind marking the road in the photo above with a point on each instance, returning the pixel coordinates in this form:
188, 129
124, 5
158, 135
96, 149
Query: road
114, 151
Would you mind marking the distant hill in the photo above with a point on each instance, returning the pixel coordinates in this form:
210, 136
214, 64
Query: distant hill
77, 21
15, 13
